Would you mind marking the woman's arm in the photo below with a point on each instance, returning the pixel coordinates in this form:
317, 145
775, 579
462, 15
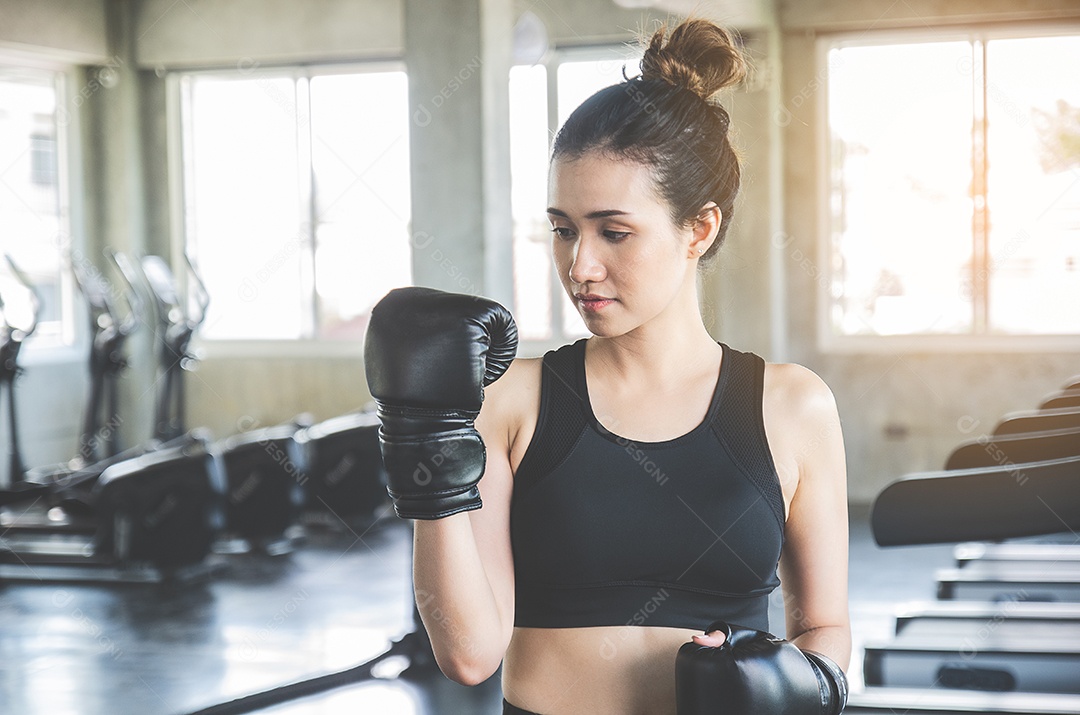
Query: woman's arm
463, 571
804, 431
814, 564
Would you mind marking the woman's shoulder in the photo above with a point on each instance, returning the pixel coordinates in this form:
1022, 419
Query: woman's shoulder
514, 395
800, 416
523, 374
522, 379
511, 407
801, 391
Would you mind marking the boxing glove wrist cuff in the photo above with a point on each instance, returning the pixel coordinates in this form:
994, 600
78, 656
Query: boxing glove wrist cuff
831, 680
428, 508
417, 420
433, 460
439, 464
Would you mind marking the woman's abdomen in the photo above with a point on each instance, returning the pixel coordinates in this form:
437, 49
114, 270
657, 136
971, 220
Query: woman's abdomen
610, 669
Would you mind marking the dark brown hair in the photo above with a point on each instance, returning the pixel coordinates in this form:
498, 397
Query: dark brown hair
665, 118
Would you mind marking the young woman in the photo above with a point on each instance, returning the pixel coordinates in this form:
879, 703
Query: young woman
641, 484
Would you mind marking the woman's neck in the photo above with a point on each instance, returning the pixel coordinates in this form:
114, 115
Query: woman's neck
656, 350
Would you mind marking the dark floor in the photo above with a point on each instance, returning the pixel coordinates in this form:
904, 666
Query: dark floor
264, 621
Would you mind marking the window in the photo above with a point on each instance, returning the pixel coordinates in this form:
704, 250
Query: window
542, 310
954, 186
296, 198
34, 224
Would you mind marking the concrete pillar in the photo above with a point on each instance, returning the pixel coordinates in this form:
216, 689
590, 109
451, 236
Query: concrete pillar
458, 57
115, 198
745, 288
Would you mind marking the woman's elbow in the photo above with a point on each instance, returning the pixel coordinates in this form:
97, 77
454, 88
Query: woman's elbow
468, 671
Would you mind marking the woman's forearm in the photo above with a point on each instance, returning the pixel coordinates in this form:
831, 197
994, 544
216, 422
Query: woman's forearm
455, 600
831, 641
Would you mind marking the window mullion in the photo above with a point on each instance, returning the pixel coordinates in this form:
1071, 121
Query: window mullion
980, 263
555, 295
308, 207
64, 211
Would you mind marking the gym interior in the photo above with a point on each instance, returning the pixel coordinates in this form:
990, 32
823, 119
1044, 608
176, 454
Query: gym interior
201, 201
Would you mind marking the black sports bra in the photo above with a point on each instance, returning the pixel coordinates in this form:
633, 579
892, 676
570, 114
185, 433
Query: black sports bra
608, 531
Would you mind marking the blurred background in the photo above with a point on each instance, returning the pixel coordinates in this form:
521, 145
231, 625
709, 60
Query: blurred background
908, 226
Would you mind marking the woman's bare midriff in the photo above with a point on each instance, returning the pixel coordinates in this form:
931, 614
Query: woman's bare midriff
628, 670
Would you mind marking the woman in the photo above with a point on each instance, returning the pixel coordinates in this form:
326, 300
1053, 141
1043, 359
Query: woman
647, 481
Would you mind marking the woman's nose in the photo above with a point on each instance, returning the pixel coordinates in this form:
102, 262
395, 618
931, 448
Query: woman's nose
587, 266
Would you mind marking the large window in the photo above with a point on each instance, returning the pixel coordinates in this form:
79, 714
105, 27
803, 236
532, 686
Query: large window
542, 96
34, 216
954, 186
296, 198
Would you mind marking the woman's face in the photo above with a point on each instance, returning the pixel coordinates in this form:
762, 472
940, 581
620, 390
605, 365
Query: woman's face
619, 255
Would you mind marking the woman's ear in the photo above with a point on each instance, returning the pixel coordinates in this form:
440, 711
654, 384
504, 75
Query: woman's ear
706, 225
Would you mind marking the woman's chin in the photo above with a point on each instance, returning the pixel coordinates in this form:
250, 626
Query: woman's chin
604, 329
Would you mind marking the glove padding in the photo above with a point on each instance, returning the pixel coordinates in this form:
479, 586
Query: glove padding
428, 355
753, 673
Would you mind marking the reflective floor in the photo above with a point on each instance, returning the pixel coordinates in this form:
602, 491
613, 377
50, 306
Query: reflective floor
262, 621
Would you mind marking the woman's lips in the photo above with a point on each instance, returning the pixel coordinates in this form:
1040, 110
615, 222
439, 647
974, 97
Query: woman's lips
592, 303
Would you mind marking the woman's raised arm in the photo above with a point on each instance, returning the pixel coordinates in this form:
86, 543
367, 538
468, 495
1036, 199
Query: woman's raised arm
814, 564
463, 570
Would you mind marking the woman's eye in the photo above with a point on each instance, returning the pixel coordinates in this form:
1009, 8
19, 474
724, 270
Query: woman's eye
562, 232
616, 235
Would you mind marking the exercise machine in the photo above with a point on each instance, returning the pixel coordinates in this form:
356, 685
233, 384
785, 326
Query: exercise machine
915, 701
177, 321
1038, 420
1011, 581
984, 503
264, 474
151, 515
1005, 633
1066, 398
988, 451
345, 480
12, 337
977, 552
153, 523
110, 327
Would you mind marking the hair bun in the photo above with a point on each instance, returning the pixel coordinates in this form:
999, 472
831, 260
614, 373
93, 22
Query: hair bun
698, 55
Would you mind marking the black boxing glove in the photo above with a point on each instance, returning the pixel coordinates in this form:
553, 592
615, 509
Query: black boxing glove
428, 355
754, 673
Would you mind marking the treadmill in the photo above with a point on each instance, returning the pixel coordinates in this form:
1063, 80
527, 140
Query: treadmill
1018, 648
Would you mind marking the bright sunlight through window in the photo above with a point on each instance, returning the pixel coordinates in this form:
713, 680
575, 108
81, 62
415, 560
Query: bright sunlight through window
34, 220
542, 310
955, 187
296, 199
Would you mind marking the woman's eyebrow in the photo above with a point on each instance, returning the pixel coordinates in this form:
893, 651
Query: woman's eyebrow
592, 214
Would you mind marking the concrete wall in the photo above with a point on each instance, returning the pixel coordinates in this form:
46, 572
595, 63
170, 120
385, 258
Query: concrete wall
219, 32
199, 33
902, 411
809, 16
69, 30
738, 295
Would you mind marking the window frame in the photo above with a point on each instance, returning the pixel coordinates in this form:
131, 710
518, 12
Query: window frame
300, 347
555, 57
829, 341
71, 342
